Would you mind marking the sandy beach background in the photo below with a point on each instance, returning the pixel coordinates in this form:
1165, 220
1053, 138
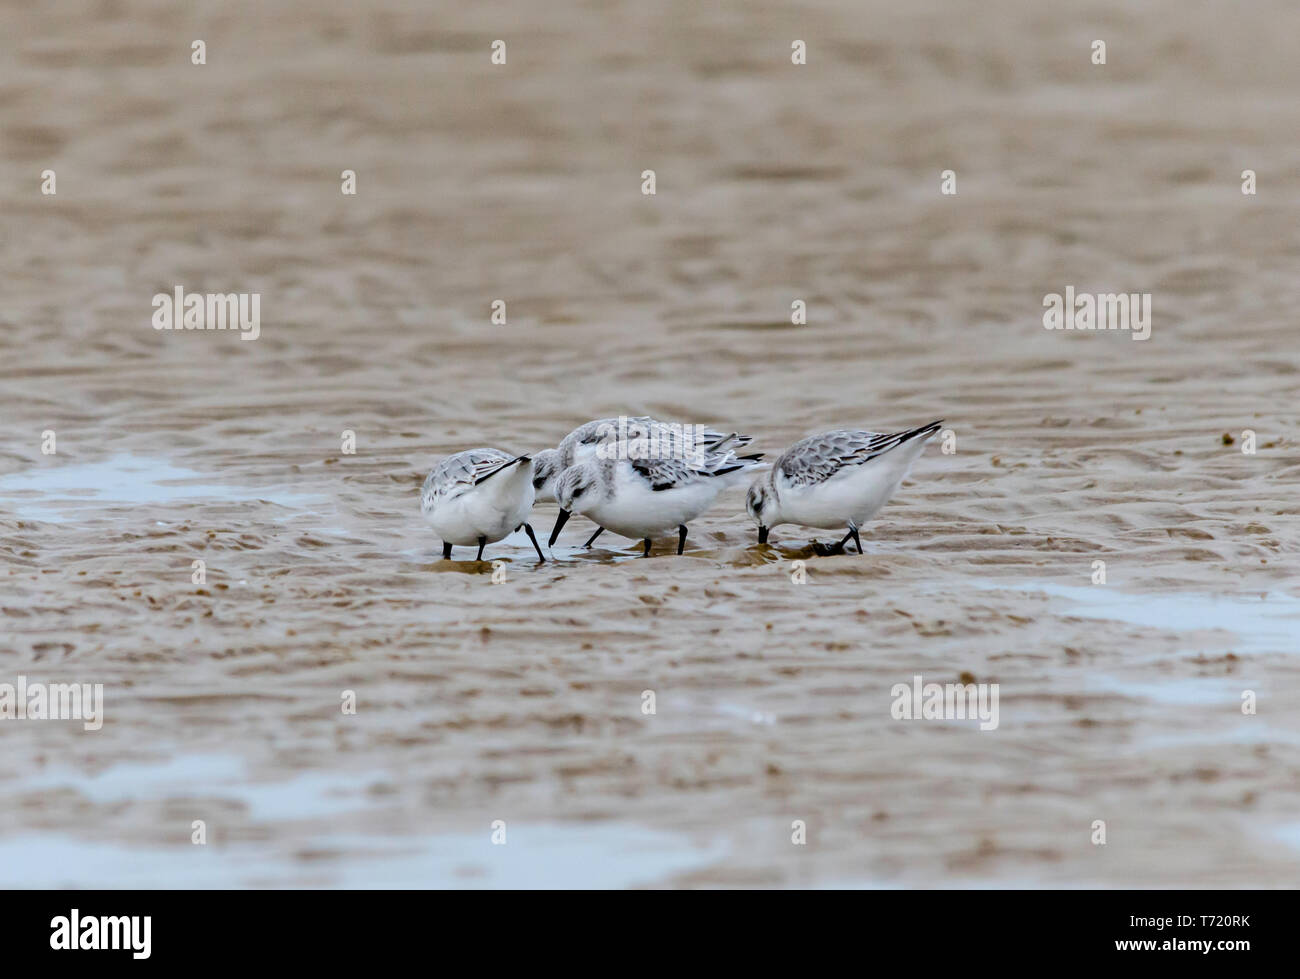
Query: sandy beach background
521, 701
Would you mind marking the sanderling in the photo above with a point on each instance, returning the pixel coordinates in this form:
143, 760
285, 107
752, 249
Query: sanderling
643, 434
836, 479
639, 498
478, 497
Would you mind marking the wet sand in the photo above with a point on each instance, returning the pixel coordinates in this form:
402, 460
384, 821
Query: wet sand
521, 701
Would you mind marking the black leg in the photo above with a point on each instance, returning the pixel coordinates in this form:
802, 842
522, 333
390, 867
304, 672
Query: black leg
533, 537
853, 532
647, 548
599, 531
482, 543
446, 551
681, 538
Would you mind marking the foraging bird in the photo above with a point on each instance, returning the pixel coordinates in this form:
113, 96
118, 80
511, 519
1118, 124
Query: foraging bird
835, 479
645, 497
478, 497
602, 438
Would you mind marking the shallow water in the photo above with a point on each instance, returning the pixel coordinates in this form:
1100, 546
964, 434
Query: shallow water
533, 856
523, 700
305, 796
62, 493
1267, 622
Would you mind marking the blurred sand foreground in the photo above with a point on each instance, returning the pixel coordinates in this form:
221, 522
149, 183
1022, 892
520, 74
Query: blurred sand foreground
521, 702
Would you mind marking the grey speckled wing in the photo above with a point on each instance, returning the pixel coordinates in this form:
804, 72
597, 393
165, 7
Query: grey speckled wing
819, 457
457, 473
664, 474
608, 429
603, 429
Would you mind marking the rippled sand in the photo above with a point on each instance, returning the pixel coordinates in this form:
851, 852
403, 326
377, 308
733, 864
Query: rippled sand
521, 701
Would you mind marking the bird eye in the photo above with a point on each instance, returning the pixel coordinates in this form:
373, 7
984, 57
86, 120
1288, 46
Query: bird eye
579, 491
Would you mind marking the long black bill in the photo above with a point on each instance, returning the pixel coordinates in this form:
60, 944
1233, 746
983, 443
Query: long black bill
559, 524
762, 534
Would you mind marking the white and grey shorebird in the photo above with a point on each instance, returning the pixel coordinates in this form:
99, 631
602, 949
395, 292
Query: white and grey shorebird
478, 497
835, 479
641, 498
584, 444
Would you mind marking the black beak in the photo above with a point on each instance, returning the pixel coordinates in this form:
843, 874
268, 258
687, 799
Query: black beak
762, 534
559, 524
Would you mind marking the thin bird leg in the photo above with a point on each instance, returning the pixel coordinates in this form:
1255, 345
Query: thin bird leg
482, 543
599, 531
446, 551
533, 537
647, 548
681, 538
